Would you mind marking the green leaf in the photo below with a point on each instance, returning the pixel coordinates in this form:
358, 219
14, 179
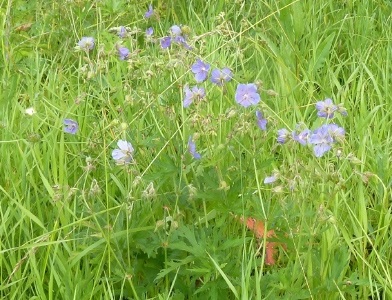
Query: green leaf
321, 53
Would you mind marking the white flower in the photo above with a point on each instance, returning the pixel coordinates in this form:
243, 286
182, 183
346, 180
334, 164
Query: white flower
272, 178
30, 111
123, 155
86, 43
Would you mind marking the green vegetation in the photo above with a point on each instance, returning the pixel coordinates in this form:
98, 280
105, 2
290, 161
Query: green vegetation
74, 224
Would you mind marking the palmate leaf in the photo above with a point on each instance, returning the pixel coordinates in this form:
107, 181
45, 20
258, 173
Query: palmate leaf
187, 241
184, 243
173, 266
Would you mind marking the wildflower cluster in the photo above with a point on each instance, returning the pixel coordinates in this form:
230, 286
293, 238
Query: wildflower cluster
124, 153
200, 70
177, 36
322, 138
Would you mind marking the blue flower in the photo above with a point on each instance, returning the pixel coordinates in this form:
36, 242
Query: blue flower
326, 108
322, 140
176, 37
195, 94
165, 42
261, 121
86, 43
176, 30
246, 94
122, 32
123, 53
182, 41
179, 37
200, 69
283, 134
70, 126
301, 137
192, 149
220, 76
336, 132
149, 12
149, 31
123, 155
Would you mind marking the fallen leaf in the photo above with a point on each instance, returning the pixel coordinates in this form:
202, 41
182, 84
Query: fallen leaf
258, 227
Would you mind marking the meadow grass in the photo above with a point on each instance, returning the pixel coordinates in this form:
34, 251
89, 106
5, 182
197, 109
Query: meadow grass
76, 225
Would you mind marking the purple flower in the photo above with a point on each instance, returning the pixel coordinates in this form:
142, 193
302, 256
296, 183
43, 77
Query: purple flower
326, 108
195, 94
246, 94
149, 31
176, 30
149, 12
261, 121
165, 42
283, 134
122, 32
220, 76
86, 43
123, 53
181, 40
337, 133
301, 137
200, 69
192, 149
123, 155
70, 126
178, 39
175, 37
322, 140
